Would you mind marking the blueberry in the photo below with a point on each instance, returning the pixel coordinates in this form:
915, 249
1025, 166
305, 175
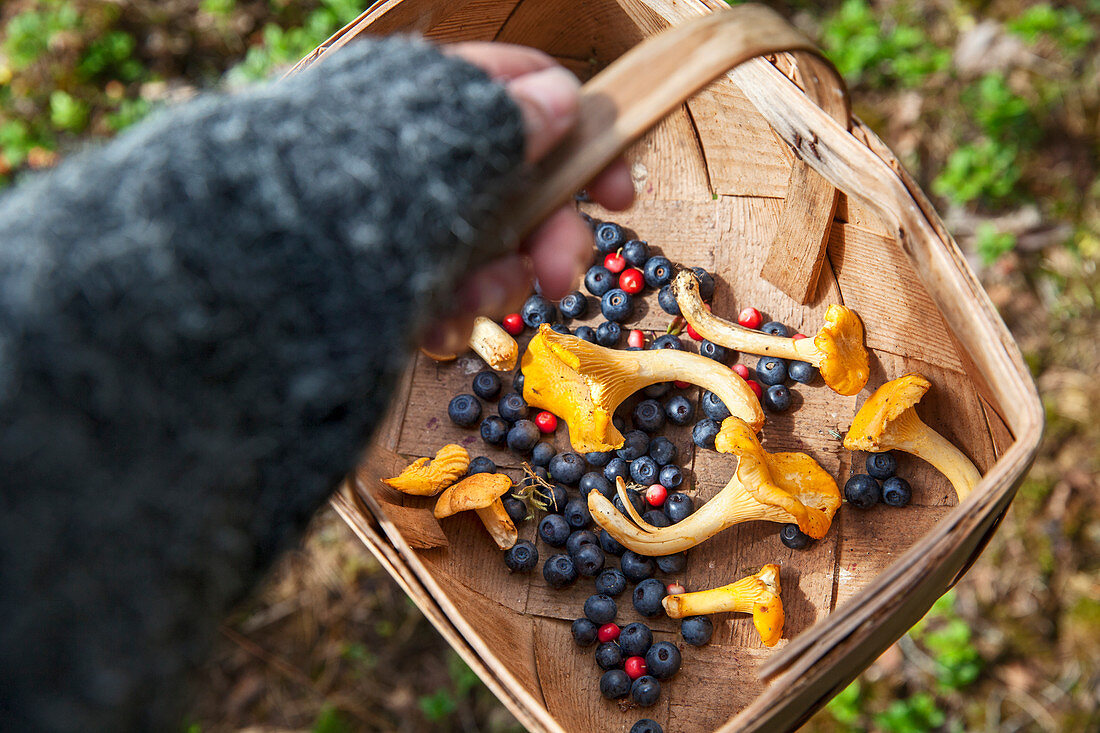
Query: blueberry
662, 660
802, 372
589, 560
584, 632
657, 271
649, 416
635, 640
599, 459
706, 283
481, 464
667, 341
636, 567
600, 609
647, 725
517, 510
636, 253
862, 491
771, 370
573, 305
578, 538
611, 582
494, 430
512, 407
647, 597
657, 390
713, 406
678, 507
616, 468
667, 301
598, 280
712, 350
554, 530
559, 571
616, 305
615, 684
619, 422
541, 454
517, 383
609, 656
560, 327
657, 518
674, 563
521, 557
645, 691
793, 537
696, 630
636, 501
487, 385
523, 436
586, 333
610, 545
775, 328
537, 310
593, 481
555, 497
679, 410
662, 450
608, 334
704, 432
464, 410
609, 237
576, 513
644, 471
635, 445
896, 491
566, 468
777, 398
670, 477
882, 465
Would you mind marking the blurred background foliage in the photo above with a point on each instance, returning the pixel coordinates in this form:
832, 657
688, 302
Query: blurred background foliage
993, 105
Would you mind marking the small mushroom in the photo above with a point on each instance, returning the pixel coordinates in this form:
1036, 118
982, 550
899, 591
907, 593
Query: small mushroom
583, 383
481, 492
837, 349
757, 594
489, 341
772, 487
421, 478
888, 421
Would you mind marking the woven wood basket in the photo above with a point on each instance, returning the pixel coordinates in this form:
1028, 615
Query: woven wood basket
745, 161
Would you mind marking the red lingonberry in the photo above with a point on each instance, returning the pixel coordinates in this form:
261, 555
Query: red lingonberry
693, 333
798, 337
513, 323
755, 387
635, 667
674, 588
546, 421
741, 370
636, 338
632, 280
656, 495
608, 632
615, 263
750, 318
680, 384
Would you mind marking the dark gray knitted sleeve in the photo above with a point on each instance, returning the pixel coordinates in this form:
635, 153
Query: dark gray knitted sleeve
200, 324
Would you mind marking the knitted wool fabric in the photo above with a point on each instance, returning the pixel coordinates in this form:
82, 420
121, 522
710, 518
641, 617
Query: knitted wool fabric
200, 325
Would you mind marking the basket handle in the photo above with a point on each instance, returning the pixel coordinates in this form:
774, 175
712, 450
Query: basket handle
645, 84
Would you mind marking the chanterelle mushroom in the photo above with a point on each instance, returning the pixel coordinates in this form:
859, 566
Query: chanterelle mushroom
489, 341
888, 421
481, 493
422, 478
757, 594
583, 384
837, 349
773, 487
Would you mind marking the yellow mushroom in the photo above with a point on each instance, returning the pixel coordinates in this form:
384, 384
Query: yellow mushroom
772, 487
583, 383
837, 349
757, 594
481, 493
888, 421
421, 478
489, 341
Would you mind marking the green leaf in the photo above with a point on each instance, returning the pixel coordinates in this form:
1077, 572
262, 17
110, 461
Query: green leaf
331, 720
438, 706
67, 112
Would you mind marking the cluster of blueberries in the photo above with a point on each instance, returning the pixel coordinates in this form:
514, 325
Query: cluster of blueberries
774, 373
880, 483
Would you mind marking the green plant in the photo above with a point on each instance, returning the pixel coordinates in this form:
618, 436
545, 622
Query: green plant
847, 708
991, 243
916, 714
1001, 113
983, 170
437, 706
29, 34
111, 54
331, 720
127, 113
1064, 26
949, 641
67, 112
